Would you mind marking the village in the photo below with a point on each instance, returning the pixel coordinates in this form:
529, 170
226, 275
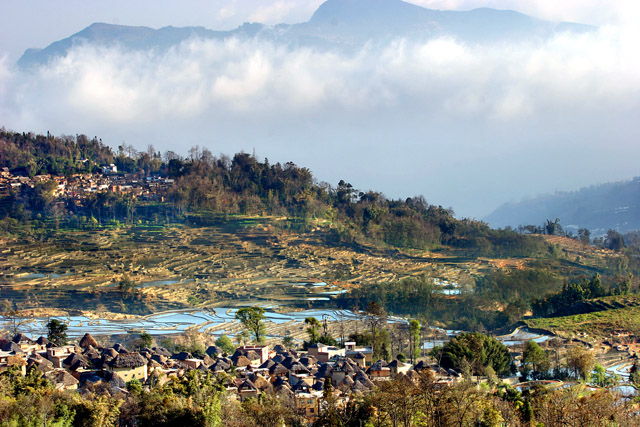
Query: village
250, 371
79, 186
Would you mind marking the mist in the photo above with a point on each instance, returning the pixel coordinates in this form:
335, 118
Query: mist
468, 126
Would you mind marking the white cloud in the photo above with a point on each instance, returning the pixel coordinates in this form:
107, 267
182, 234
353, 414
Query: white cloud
576, 71
428, 100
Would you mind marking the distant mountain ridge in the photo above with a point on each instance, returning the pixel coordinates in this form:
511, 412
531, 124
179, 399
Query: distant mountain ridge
336, 24
598, 208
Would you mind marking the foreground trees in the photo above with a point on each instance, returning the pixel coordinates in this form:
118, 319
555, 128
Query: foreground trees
199, 399
423, 402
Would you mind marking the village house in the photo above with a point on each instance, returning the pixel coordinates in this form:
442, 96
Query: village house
308, 403
262, 351
352, 351
324, 353
57, 354
26, 344
110, 169
62, 380
11, 359
129, 366
399, 368
379, 371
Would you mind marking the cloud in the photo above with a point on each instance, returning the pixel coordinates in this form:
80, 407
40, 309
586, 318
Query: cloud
501, 81
431, 101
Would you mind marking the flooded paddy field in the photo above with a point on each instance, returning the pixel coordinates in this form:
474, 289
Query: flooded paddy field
216, 321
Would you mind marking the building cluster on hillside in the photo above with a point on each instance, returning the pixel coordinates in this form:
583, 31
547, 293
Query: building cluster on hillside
251, 370
80, 186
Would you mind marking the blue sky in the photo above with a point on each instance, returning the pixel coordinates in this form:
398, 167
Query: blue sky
466, 127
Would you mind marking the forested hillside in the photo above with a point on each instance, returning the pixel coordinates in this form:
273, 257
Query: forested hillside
208, 187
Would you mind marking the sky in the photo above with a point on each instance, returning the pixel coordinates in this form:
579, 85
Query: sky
467, 127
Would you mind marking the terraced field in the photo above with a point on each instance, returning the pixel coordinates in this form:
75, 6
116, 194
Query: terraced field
241, 261
617, 319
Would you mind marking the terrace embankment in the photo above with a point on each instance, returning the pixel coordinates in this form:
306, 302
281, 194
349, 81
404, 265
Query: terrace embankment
243, 261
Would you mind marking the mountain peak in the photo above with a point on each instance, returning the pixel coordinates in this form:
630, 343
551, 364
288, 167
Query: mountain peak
335, 24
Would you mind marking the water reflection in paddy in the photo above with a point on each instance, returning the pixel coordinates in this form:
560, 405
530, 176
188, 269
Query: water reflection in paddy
174, 322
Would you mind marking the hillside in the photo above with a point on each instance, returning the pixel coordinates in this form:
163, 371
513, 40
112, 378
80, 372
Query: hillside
337, 24
597, 208
150, 233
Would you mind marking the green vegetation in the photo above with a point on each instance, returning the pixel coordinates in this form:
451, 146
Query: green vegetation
414, 340
146, 340
535, 362
211, 196
566, 300
474, 353
224, 342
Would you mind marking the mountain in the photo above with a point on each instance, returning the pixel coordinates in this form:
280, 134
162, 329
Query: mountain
598, 208
337, 24
138, 38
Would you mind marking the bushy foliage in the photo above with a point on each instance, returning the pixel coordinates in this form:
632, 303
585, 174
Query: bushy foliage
564, 302
474, 352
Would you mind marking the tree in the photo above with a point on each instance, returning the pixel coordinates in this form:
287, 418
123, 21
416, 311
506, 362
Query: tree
600, 378
57, 332
125, 286
534, 361
253, 320
146, 340
224, 342
595, 287
414, 340
552, 227
242, 337
584, 235
580, 361
376, 316
288, 341
634, 375
614, 241
313, 330
13, 320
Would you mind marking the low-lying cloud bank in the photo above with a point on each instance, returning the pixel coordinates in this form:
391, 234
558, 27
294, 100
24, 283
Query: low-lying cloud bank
490, 114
